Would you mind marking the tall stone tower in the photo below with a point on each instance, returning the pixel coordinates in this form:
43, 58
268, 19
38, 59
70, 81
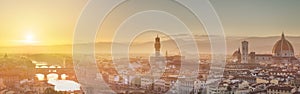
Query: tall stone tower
157, 61
157, 46
245, 52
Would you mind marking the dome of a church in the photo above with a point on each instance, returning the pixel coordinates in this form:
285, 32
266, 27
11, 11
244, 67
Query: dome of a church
283, 48
236, 56
237, 53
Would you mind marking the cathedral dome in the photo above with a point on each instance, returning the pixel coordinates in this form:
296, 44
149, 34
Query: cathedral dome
283, 48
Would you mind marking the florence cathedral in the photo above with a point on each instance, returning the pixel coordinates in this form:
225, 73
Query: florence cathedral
282, 52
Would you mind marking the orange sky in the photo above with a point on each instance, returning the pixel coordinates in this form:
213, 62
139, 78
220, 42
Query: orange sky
46, 21
51, 22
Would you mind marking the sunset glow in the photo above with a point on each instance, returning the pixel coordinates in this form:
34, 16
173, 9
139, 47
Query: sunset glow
63, 76
29, 38
52, 76
65, 85
40, 77
149, 47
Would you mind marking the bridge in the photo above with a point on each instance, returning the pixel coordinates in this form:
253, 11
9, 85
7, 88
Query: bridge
57, 70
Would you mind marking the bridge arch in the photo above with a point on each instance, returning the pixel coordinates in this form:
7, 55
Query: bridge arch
63, 73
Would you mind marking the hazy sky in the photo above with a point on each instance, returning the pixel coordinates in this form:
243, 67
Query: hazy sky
48, 22
259, 17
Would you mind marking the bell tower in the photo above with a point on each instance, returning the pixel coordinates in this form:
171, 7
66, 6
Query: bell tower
157, 46
157, 61
245, 52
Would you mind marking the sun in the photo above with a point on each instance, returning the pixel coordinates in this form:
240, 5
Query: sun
29, 38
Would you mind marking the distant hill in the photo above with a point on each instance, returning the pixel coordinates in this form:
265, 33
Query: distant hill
257, 44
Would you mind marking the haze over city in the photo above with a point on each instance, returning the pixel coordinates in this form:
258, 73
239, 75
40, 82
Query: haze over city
150, 47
